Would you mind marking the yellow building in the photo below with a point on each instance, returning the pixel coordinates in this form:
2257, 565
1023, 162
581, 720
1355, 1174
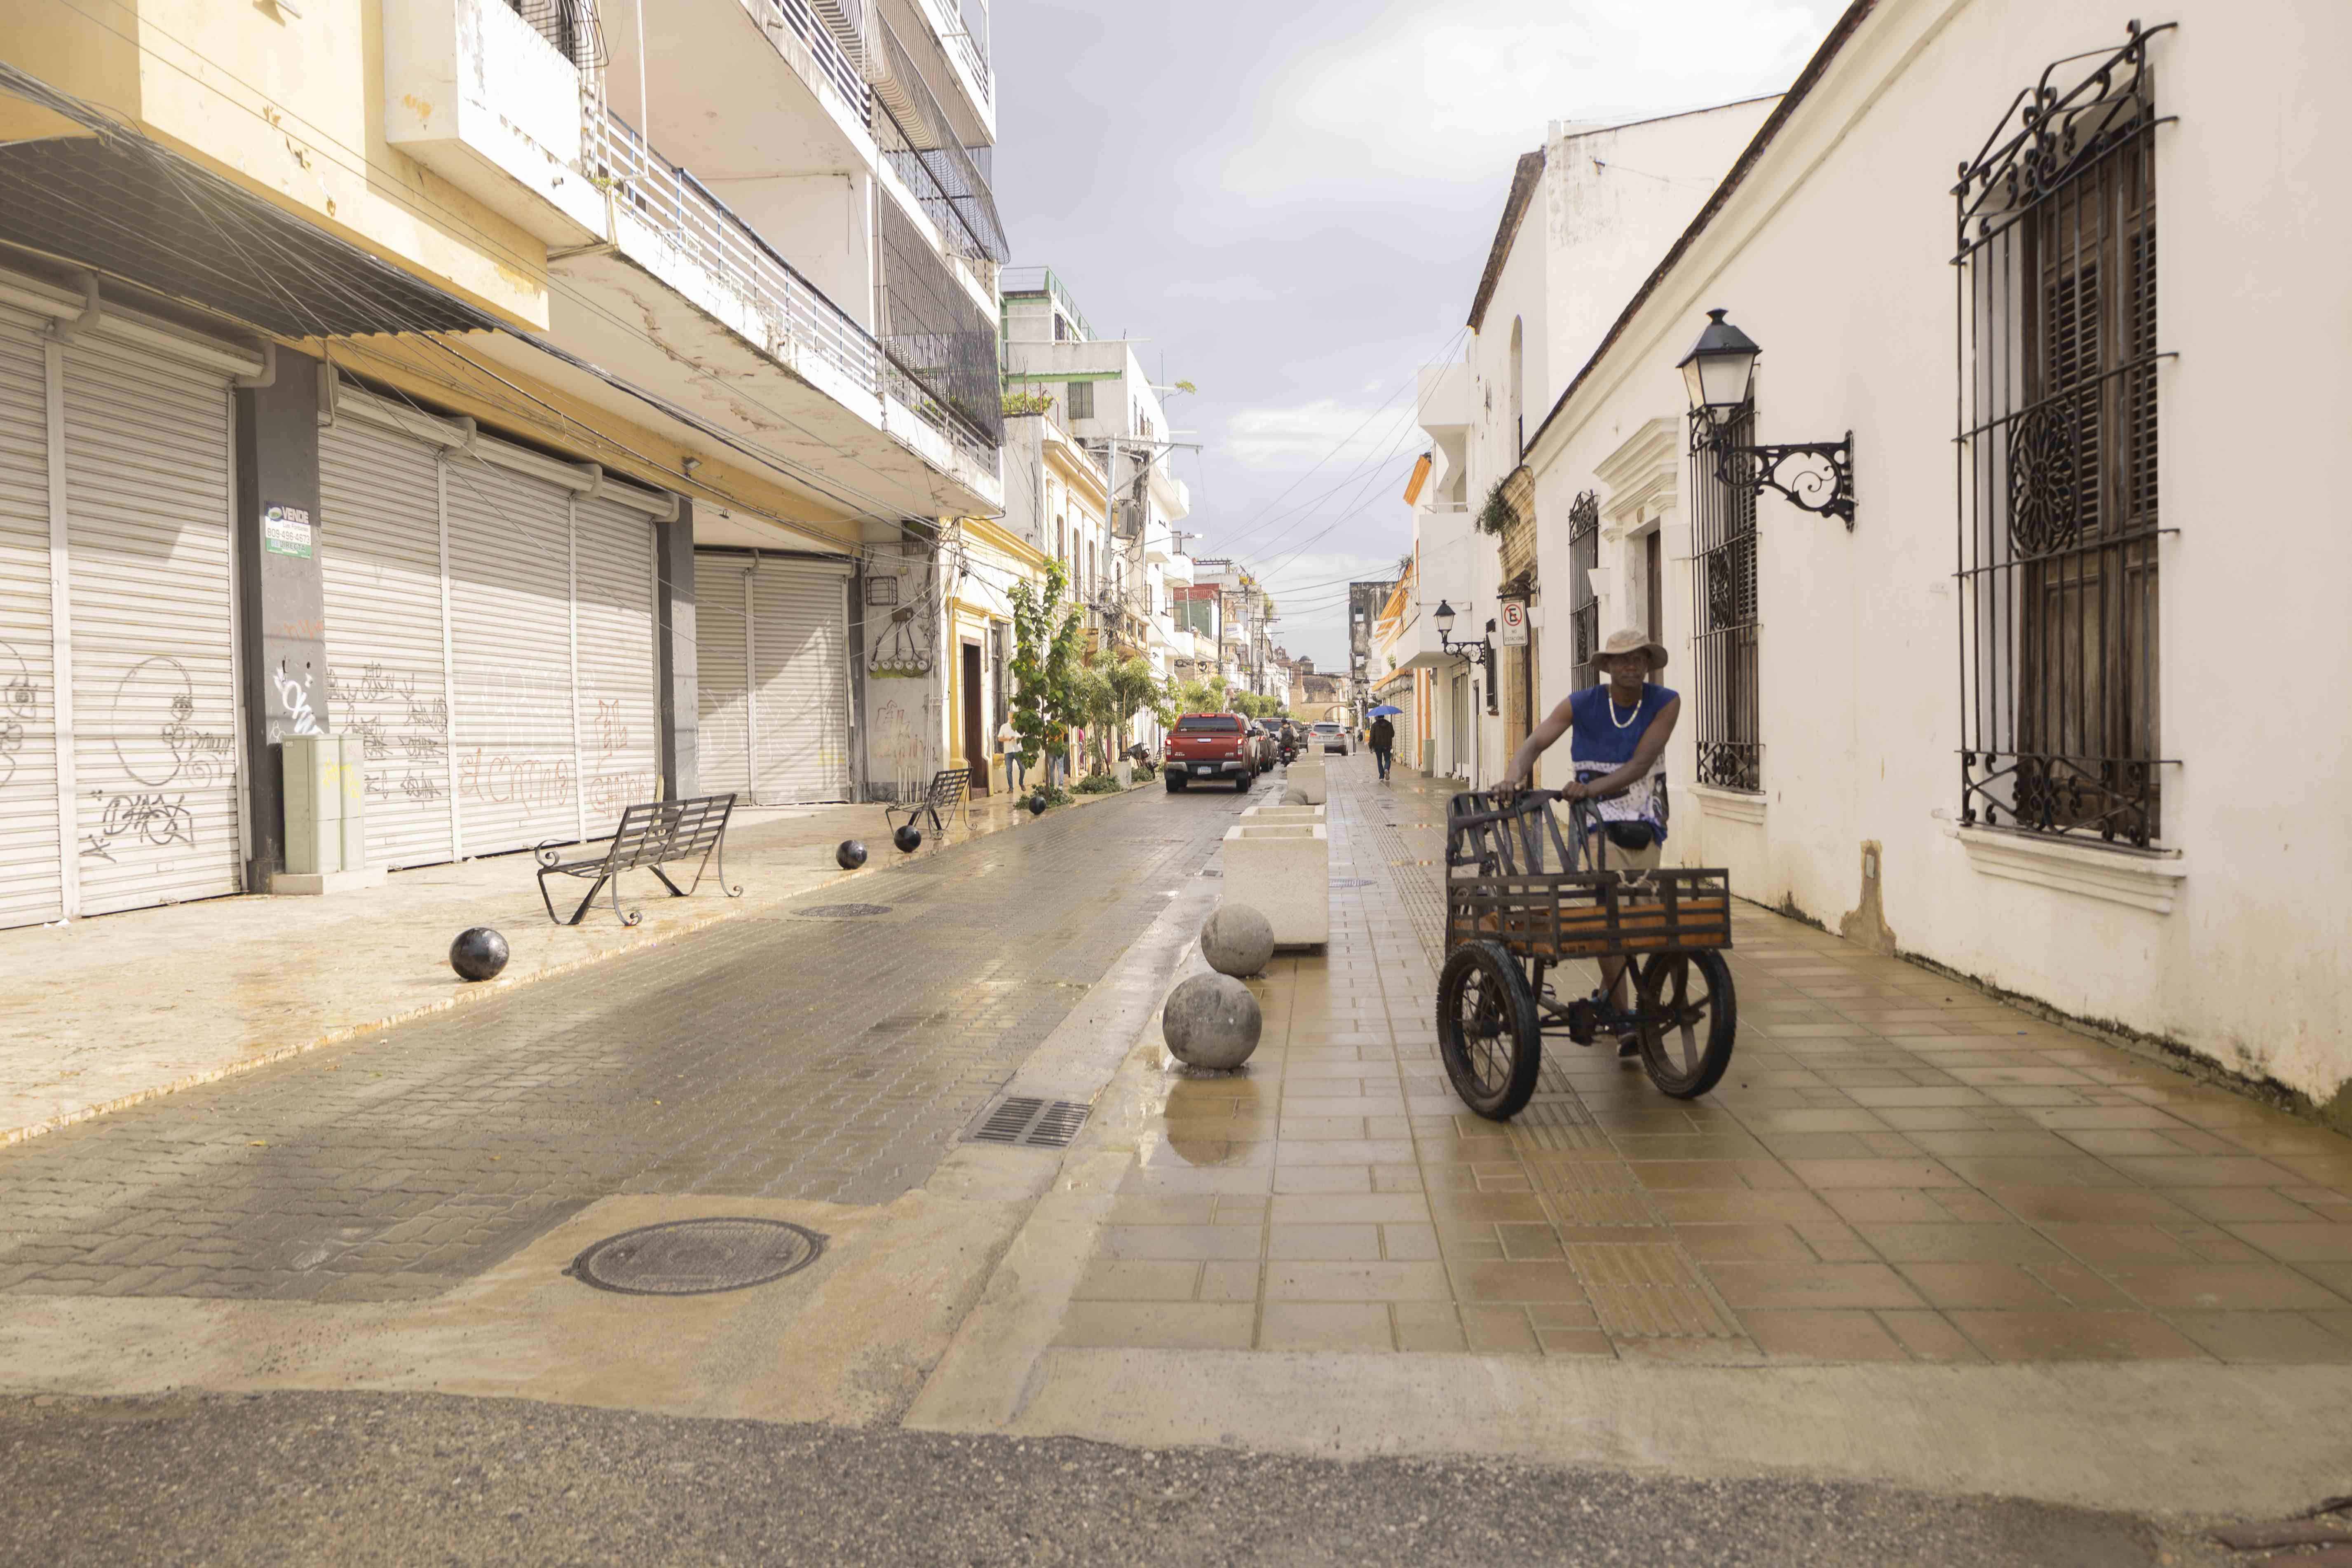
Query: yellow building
560, 415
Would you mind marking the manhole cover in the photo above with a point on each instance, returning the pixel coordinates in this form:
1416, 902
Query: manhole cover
844, 911
696, 1257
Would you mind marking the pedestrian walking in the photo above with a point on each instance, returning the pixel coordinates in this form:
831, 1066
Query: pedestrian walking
1008, 741
1383, 744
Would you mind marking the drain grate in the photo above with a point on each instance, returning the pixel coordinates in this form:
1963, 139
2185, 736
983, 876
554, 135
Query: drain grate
1024, 1122
843, 911
696, 1257
1351, 881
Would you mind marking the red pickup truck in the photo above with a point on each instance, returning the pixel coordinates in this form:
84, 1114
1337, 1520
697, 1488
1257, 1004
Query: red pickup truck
1211, 746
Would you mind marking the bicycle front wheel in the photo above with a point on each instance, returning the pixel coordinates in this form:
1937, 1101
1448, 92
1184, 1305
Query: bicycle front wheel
1689, 1015
1487, 1031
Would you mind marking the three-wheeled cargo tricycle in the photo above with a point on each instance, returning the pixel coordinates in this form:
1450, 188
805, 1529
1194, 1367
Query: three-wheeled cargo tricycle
1521, 898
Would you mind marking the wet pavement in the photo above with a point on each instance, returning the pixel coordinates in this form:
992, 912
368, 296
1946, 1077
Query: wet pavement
790, 1053
1897, 1168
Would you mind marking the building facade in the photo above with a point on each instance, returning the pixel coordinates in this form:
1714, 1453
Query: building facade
411, 398
1588, 215
1965, 643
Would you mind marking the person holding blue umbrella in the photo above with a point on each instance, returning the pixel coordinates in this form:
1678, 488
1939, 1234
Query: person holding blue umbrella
1383, 738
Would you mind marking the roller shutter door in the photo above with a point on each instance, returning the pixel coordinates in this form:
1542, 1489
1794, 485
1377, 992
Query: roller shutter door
792, 711
510, 629
800, 669
147, 494
379, 533
31, 883
723, 737
620, 741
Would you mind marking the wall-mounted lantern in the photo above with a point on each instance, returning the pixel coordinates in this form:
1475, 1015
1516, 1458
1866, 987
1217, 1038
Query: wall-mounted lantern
1483, 651
1719, 374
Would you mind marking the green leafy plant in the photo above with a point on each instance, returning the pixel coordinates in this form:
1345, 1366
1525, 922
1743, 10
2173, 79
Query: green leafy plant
1494, 515
1098, 784
1044, 659
1016, 403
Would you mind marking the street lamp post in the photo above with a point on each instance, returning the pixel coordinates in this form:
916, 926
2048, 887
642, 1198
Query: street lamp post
1719, 374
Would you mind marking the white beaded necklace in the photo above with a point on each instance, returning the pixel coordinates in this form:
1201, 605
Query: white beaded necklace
1611, 690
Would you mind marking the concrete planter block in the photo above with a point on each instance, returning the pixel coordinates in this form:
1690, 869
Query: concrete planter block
1125, 774
1283, 871
1307, 778
1287, 815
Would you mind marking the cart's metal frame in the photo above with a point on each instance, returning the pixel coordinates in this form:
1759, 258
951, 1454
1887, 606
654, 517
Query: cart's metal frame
1516, 879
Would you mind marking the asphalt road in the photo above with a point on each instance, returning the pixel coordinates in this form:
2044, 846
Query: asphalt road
358, 1479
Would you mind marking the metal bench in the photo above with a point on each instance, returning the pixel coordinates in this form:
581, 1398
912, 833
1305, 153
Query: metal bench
651, 836
947, 794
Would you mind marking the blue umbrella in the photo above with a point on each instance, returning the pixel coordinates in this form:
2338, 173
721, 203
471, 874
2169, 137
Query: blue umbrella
1383, 708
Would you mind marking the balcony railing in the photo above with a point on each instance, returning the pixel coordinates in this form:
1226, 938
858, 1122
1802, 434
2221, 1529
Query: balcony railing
706, 231
831, 58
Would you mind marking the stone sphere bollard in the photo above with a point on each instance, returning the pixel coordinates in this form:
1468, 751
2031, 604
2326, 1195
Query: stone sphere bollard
1237, 940
478, 953
850, 856
1295, 795
908, 839
1037, 803
1211, 1021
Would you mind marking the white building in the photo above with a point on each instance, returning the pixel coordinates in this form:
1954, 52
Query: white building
2051, 706
569, 417
1125, 565
1588, 215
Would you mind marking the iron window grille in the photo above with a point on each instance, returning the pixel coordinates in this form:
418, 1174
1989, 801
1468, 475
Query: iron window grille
950, 179
1082, 399
569, 25
938, 343
2057, 456
1723, 590
1583, 603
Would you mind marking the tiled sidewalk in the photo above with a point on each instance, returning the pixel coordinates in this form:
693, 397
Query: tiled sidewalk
1897, 1167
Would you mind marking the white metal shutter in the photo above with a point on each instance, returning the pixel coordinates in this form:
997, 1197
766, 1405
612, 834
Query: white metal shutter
30, 882
620, 716
800, 670
511, 625
147, 492
380, 543
722, 736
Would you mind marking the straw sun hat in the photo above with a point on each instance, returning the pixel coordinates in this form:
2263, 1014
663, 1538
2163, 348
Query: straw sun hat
1632, 641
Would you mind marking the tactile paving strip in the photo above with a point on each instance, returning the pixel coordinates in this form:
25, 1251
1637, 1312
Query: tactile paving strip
1645, 1289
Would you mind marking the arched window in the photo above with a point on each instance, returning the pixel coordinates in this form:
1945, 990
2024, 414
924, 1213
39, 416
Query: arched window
1518, 393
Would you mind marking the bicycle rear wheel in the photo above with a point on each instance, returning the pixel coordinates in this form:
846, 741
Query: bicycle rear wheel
1689, 1017
1487, 1031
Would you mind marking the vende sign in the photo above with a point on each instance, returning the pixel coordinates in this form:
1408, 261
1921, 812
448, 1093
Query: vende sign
1515, 623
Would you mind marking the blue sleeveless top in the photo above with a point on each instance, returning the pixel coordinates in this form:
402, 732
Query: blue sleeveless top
1602, 738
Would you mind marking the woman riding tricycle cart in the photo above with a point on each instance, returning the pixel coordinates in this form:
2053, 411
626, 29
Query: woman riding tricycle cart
1521, 898
1528, 904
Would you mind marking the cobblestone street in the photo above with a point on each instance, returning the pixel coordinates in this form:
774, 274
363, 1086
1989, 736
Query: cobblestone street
783, 1055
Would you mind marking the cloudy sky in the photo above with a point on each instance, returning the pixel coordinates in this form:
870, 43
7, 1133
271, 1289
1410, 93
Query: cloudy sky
1291, 200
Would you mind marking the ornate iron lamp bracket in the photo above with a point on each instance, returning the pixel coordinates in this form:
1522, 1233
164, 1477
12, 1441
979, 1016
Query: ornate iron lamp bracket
1814, 476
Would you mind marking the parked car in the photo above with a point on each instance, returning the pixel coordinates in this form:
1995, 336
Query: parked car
1326, 736
1211, 746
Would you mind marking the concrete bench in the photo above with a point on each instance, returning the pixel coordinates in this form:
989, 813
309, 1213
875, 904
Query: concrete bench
1283, 870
